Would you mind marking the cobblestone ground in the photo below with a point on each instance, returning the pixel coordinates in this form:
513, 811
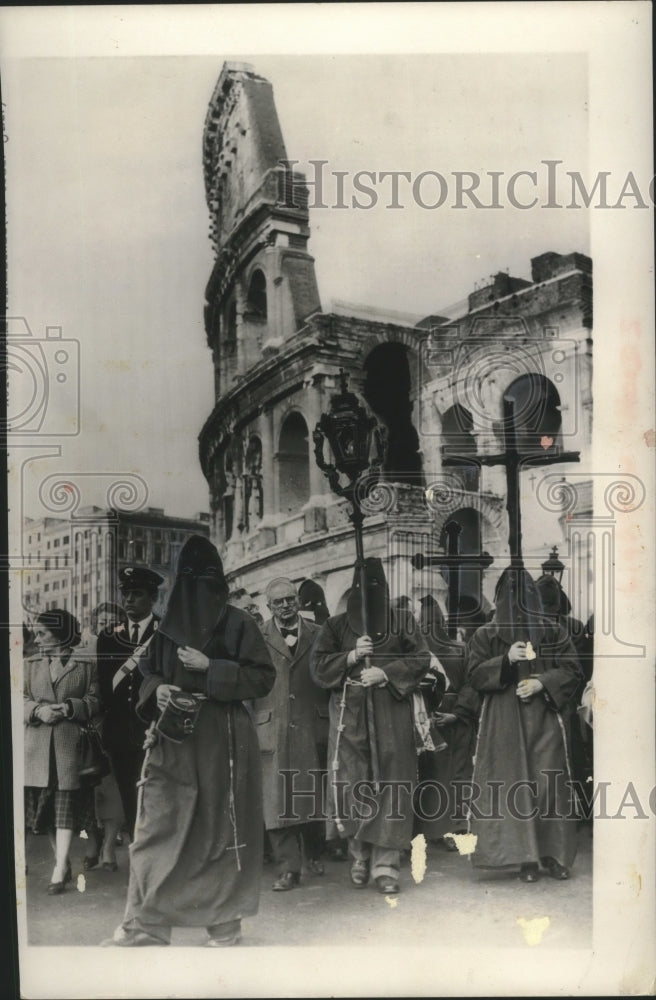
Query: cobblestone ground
452, 905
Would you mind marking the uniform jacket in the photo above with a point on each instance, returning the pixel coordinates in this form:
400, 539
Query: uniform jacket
123, 730
292, 726
79, 683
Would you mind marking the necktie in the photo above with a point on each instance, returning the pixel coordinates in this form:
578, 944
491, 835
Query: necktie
135, 634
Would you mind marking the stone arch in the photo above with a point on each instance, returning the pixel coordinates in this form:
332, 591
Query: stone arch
458, 439
293, 463
538, 420
388, 392
256, 298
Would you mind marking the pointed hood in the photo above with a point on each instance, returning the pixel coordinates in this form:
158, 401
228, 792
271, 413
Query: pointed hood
199, 595
376, 595
519, 616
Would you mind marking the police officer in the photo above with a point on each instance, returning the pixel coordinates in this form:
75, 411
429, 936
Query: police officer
120, 679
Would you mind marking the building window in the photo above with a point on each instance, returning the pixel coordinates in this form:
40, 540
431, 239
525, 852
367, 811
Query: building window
86, 554
122, 550
230, 339
257, 296
99, 550
64, 583
66, 540
55, 585
48, 544
85, 600
46, 588
65, 604
158, 554
55, 544
294, 464
537, 415
139, 551
47, 564
77, 557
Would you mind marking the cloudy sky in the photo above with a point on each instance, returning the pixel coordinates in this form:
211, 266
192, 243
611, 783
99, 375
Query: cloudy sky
108, 227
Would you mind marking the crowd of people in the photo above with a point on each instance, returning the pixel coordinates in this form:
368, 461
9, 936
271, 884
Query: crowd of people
230, 739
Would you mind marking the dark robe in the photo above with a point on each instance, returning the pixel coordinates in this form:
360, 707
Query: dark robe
196, 859
437, 806
519, 742
405, 658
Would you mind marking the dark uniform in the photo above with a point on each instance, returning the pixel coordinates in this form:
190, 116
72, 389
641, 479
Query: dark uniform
123, 730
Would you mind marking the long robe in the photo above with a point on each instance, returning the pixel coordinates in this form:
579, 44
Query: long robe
522, 742
438, 804
384, 818
196, 858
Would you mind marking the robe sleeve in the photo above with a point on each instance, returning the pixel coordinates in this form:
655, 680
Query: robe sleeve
562, 681
405, 672
328, 666
485, 671
468, 704
251, 674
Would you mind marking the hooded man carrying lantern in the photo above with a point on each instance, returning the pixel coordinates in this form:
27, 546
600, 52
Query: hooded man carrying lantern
527, 672
196, 857
372, 658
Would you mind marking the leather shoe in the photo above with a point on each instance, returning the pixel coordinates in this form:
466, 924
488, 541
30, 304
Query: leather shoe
555, 869
90, 862
387, 885
316, 867
529, 873
131, 939
56, 888
360, 874
286, 881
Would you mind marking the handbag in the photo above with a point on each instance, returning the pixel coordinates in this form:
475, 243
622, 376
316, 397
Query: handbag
93, 761
178, 720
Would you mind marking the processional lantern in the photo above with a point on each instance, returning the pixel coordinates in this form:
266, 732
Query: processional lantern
553, 566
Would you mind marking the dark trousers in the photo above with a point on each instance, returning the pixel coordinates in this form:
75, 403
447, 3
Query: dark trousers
288, 842
127, 770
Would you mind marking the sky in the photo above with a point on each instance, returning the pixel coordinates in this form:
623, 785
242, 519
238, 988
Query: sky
108, 226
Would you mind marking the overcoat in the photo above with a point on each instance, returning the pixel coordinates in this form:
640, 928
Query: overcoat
291, 723
79, 683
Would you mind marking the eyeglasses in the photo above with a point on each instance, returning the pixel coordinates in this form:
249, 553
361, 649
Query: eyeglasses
278, 602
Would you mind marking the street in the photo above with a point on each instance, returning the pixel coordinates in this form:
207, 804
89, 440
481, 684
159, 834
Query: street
451, 906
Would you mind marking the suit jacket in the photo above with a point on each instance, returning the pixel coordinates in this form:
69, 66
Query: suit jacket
291, 722
123, 730
79, 683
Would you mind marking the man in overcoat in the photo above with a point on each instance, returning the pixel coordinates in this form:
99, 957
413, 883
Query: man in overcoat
120, 680
291, 721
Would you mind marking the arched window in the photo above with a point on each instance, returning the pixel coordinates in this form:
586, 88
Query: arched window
387, 391
537, 414
293, 464
257, 296
469, 613
458, 439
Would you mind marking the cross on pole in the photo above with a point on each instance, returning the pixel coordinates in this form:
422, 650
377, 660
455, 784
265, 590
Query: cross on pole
513, 460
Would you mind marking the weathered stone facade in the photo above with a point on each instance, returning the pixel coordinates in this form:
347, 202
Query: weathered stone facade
436, 386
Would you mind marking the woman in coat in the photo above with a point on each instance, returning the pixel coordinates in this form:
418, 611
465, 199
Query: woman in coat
60, 690
372, 673
196, 858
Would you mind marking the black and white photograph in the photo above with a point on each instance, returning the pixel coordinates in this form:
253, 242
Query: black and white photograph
330, 422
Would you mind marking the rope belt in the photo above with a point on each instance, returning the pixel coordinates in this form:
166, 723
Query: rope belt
340, 729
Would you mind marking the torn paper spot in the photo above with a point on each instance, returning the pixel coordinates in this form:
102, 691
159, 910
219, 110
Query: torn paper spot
533, 929
81, 883
465, 842
418, 858
530, 652
84, 835
392, 900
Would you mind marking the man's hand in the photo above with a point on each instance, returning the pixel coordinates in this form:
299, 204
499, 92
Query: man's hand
445, 718
529, 687
517, 652
193, 659
163, 692
363, 647
373, 677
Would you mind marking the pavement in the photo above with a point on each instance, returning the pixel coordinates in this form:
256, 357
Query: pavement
452, 905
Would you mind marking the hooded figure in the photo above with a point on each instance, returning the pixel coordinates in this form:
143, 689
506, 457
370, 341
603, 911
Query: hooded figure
439, 808
372, 676
527, 693
313, 602
196, 857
